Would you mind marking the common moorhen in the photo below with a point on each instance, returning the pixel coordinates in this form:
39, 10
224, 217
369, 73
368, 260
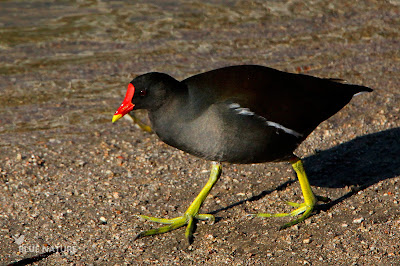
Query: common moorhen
238, 114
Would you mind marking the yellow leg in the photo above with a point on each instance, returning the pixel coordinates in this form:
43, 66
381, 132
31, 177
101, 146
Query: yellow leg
191, 213
138, 122
310, 200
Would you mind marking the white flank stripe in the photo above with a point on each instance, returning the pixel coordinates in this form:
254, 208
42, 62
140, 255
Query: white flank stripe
287, 130
246, 111
234, 105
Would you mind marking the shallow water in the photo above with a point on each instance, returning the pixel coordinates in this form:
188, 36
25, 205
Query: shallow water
65, 65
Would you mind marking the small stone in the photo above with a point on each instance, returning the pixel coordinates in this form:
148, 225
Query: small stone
307, 241
109, 173
210, 237
103, 220
80, 163
358, 221
344, 225
19, 157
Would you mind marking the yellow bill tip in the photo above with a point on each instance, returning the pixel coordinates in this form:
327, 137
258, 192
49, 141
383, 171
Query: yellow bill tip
116, 117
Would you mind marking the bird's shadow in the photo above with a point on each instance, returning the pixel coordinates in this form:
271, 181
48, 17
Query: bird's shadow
357, 164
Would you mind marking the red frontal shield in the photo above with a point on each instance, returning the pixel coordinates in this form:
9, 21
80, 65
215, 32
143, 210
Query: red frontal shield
126, 105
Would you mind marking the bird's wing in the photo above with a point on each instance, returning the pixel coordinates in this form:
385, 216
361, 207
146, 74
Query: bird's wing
296, 101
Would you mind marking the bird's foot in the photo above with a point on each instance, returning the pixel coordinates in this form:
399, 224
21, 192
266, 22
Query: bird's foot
139, 123
186, 220
191, 214
305, 209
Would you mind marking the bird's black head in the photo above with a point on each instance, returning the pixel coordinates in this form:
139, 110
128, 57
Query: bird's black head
148, 91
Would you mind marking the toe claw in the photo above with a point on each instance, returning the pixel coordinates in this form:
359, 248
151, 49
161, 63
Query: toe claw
140, 235
138, 216
287, 225
204, 217
251, 215
303, 209
189, 230
173, 224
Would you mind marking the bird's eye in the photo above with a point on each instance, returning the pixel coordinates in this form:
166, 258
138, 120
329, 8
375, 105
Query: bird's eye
142, 92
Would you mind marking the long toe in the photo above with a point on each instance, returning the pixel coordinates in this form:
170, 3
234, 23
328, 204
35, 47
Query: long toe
302, 209
159, 220
306, 213
187, 220
177, 224
191, 214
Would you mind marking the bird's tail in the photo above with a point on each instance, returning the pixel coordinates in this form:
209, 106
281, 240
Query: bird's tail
359, 89
356, 89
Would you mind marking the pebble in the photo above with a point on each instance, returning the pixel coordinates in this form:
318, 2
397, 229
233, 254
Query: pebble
103, 220
358, 221
109, 172
210, 237
80, 163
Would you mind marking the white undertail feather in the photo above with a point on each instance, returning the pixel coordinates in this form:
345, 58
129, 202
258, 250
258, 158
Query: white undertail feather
244, 111
359, 93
